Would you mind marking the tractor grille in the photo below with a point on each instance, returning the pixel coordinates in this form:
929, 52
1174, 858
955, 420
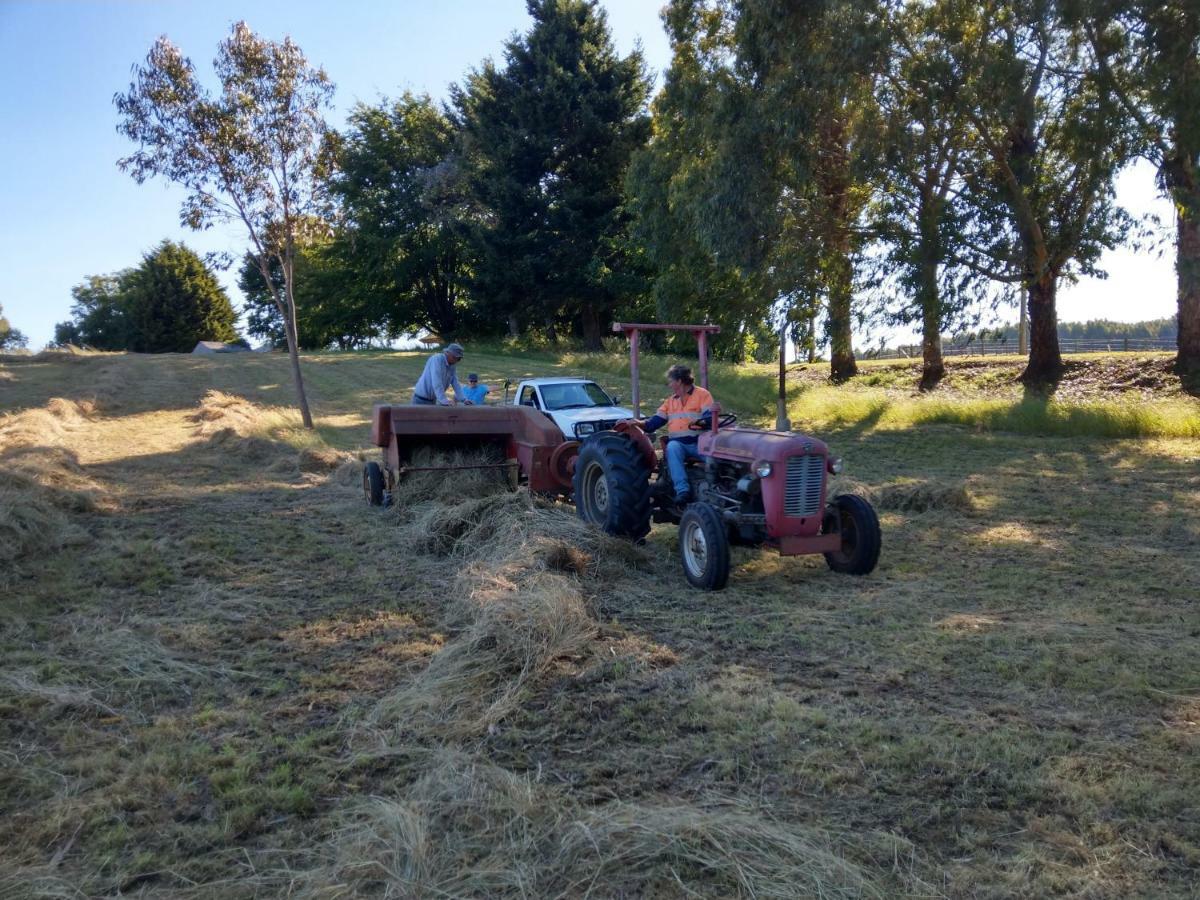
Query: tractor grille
805, 478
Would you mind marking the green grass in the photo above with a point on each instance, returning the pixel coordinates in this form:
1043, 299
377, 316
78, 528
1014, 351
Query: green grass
826, 407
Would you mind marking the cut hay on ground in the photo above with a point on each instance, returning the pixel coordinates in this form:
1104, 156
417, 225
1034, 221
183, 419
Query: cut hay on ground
470, 829
517, 601
41, 482
263, 434
909, 496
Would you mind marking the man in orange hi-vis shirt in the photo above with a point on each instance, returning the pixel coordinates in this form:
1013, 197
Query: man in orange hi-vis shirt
687, 405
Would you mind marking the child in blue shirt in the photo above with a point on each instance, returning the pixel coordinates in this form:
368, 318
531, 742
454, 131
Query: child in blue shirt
474, 391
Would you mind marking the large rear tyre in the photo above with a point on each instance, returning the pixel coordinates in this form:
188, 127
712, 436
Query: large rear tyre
612, 486
854, 519
373, 483
704, 547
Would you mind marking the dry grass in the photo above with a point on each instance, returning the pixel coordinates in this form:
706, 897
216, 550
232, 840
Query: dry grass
518, 602
246, 683
41, 481
467, 828
910, 496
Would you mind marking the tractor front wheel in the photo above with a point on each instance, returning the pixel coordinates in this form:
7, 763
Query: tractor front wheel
704, 547
373, 483
854, 519
612, 486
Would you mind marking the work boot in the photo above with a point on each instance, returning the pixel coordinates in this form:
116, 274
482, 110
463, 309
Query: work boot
683, 498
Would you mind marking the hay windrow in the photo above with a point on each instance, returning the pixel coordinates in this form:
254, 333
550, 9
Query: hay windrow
262, 434
516, 597
41, 481
910, 496
469, 828
226, 414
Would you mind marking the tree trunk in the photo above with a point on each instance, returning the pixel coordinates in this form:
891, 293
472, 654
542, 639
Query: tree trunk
841, 350
290, 331
834, 181
1023, 326
932, 366
1045, 361
514, 327
551, 331
591, 328
1187, 273
781, 416
293, 342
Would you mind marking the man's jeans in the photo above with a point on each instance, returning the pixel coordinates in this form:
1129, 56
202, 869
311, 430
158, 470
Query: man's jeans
421, 401
678, 451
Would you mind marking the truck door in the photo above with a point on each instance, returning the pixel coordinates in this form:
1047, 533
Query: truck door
529, 397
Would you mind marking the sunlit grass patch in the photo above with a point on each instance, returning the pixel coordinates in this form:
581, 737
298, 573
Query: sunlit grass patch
823, 408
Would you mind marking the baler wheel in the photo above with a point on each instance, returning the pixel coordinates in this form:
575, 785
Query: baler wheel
373, 483
612, 486
855, 520
704, 547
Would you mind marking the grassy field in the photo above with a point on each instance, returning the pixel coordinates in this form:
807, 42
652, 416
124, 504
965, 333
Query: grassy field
221, 675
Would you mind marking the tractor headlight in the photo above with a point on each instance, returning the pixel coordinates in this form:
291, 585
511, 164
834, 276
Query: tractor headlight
583, 428
762, 469
834, 465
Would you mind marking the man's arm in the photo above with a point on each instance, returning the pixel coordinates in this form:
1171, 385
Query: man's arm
458, 394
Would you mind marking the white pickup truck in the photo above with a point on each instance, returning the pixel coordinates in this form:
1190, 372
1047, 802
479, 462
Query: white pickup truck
579, 407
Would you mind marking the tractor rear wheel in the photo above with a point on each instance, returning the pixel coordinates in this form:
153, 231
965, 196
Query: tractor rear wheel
704, 547
612, 486
854, 519
373, 483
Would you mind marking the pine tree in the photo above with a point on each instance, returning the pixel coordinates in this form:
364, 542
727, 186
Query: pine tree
172, 300
547, 140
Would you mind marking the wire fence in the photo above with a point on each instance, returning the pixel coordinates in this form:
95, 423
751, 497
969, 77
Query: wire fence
1000, 348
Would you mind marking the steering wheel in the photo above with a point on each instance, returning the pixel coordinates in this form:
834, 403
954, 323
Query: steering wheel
724, 421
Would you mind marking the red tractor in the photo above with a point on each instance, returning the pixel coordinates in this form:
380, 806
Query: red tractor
752, 487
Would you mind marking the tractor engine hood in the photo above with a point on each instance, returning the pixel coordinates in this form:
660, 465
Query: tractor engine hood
750, 446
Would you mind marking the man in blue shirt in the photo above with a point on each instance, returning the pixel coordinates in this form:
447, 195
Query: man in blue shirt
474, 391
439, 375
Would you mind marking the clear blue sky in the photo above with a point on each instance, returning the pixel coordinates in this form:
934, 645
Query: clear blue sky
68, 212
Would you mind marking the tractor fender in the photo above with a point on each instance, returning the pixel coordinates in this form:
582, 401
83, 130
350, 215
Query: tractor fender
640, 440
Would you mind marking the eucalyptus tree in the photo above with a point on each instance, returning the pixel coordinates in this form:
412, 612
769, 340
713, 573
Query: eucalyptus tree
1149, 53
767, 100
252, 154
1051, 136
546, 142
675, 195
919, 214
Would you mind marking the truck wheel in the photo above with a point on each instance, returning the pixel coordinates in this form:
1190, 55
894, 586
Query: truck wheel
612, 486
373, 483
704, 547
854, 519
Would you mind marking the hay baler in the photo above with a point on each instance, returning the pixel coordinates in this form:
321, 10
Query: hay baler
752, 487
